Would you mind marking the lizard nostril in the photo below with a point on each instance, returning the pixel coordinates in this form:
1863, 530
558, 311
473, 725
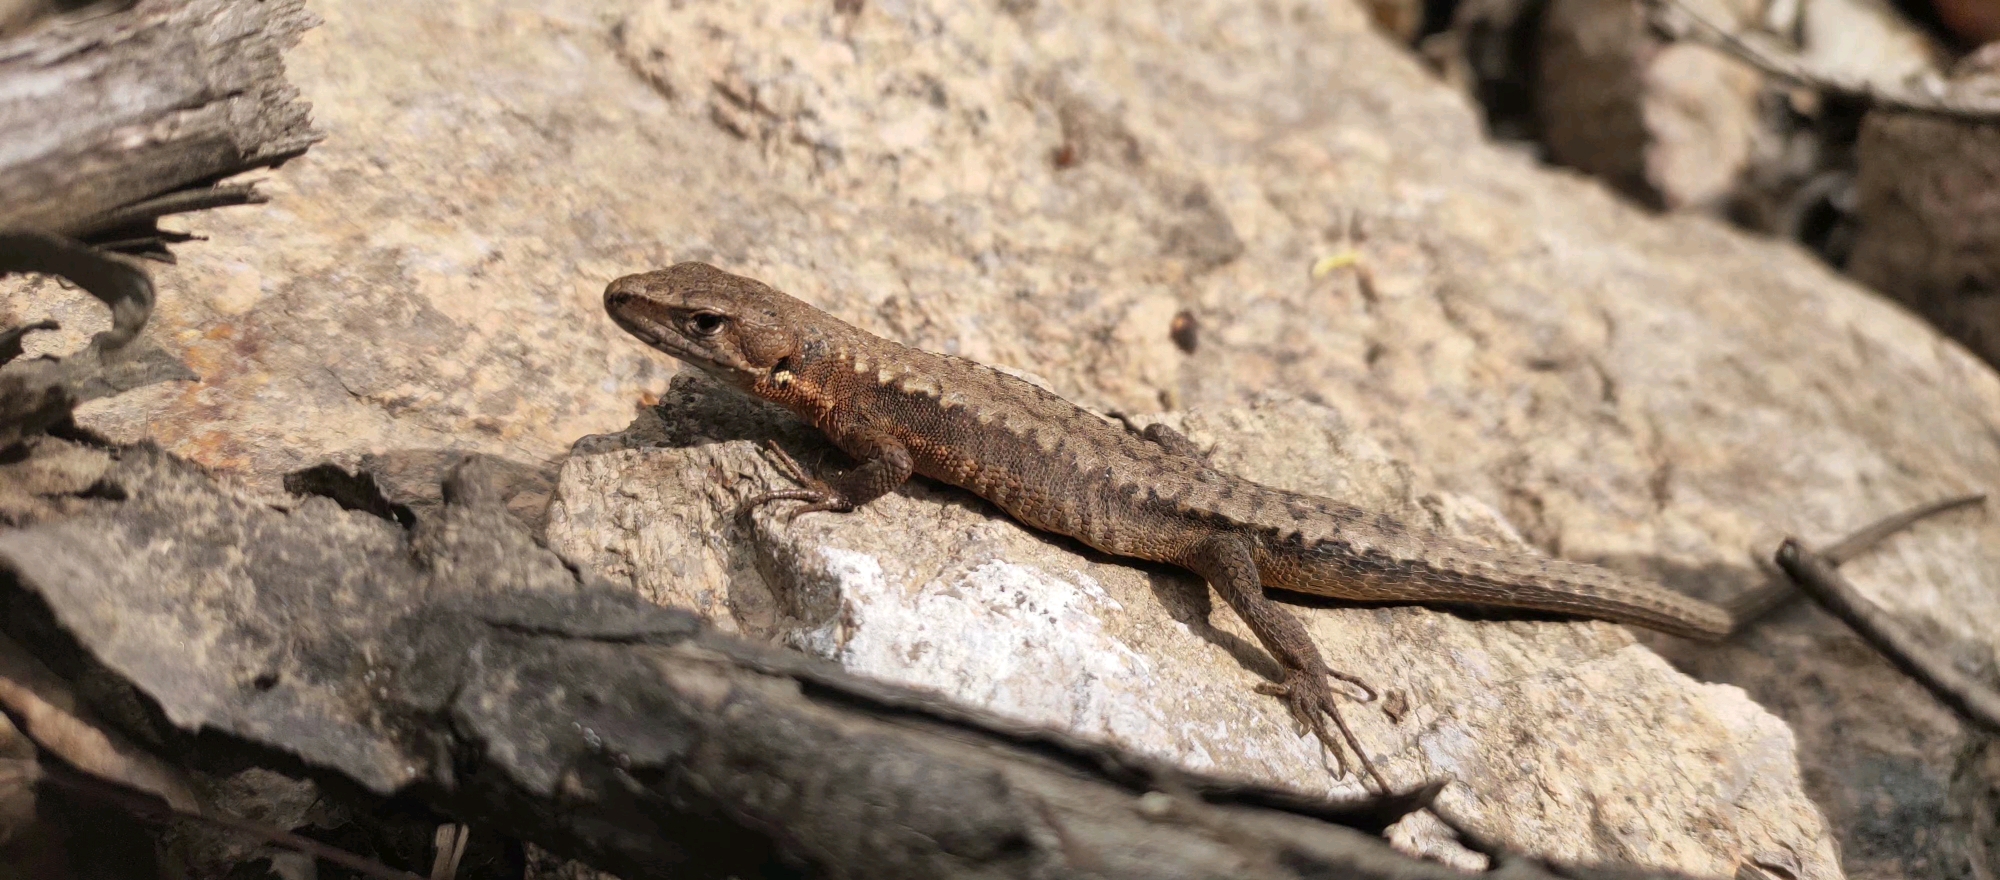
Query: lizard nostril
620, 292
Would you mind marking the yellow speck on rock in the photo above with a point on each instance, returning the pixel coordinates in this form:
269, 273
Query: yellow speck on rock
1325, 266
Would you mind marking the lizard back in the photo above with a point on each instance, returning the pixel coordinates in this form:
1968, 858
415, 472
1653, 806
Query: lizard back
1054, 466
1060, 468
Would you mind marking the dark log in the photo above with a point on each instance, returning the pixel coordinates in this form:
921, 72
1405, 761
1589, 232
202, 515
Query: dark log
1927, 192
107, 121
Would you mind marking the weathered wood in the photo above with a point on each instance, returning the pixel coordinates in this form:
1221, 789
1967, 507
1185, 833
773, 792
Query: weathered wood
100, 113
1929, 208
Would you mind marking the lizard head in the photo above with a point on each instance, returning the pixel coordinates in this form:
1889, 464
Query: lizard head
737, 329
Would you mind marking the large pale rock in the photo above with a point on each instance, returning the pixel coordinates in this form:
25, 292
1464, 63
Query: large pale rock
1568, 740
1049, 185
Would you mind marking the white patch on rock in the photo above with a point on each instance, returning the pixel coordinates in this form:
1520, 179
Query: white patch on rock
1016, 639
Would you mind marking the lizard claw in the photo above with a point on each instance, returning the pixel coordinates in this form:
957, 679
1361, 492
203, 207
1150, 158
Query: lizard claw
815, 492
1311, 704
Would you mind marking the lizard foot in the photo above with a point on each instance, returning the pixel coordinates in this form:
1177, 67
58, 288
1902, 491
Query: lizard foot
815, 492
1311, 702
1165, 437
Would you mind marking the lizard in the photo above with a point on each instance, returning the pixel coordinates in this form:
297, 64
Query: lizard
1145, 494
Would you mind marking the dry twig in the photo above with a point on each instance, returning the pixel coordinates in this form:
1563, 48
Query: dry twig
1815, 575
1777, 591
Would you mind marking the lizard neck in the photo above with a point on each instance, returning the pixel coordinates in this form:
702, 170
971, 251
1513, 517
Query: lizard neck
816, 383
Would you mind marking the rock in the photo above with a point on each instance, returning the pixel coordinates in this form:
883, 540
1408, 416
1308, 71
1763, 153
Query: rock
1868, 41
1974, 22
1400, 20
1673, 124
934, 588
1662, 394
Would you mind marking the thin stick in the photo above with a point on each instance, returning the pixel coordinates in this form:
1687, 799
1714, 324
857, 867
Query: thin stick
1775, 592
1971, 699
1862, 541
120, 285
10, 341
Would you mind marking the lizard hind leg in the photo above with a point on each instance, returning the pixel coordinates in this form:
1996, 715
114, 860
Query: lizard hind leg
1226, 562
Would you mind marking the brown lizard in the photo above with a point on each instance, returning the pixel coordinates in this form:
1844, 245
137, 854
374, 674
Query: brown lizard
1060, 468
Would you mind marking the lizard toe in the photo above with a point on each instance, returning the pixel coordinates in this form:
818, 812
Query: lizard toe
814, 498
1312, 705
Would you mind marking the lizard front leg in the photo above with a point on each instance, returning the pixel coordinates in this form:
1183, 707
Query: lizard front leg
1225, 561
885, 464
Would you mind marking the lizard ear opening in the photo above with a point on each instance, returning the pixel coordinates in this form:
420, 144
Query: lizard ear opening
767, 349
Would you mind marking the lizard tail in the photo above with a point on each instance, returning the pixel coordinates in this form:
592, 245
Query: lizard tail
1449, 572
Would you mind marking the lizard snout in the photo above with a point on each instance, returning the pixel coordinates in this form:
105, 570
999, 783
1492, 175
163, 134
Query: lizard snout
620, 293
625, 300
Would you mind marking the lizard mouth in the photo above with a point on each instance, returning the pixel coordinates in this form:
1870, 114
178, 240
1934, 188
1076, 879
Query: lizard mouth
629, 311
662, 337
646, 329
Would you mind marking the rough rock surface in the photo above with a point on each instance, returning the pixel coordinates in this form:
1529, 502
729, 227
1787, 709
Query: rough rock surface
1049, 185
1567, 740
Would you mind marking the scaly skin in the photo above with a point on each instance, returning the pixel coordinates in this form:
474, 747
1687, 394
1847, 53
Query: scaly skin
1059, 468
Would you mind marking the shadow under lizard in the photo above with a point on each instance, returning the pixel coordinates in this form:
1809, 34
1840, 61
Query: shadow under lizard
1060, 468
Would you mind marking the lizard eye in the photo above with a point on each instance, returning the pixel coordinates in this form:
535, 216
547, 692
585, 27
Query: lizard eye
706, 323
